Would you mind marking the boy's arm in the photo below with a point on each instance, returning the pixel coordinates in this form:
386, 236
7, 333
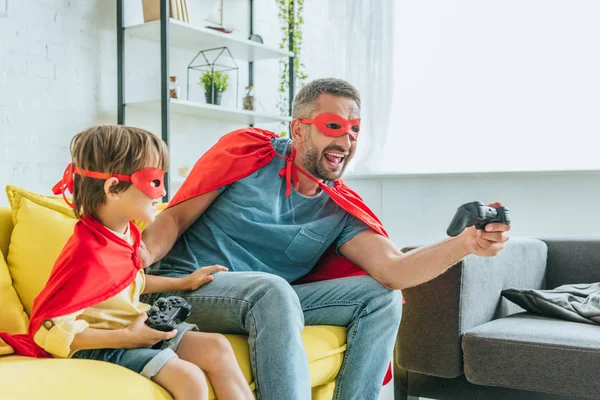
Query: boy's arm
136, 335
62, 335
56, 335
161, 284
92, 338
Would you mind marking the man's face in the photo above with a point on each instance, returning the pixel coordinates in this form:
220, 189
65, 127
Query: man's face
326, 157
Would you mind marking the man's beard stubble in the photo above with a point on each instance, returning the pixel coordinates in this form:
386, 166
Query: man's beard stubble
313, 161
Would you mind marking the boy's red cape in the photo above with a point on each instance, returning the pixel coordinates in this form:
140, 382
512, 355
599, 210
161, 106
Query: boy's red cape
242, 152
94, 266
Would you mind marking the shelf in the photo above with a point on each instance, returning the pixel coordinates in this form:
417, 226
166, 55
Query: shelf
210, 111
182, 34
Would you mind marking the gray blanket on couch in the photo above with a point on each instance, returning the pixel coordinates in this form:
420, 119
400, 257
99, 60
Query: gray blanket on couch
577, 302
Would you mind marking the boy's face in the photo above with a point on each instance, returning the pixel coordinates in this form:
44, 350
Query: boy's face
132, 203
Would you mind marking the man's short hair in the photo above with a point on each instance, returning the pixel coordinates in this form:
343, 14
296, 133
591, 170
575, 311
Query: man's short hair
304, 102
112, 149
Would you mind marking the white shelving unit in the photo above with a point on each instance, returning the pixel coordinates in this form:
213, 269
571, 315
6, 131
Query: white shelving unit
188, 36
171, 33
184, 35
210, 111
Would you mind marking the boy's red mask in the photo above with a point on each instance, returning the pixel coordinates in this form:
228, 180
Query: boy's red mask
334, 125
149, 181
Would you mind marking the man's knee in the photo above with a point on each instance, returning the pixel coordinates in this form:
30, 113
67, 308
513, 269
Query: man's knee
395, 299
378, 297
276, 296
275, 287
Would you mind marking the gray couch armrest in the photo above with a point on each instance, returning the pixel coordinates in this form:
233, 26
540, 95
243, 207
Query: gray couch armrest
438, 313
572, 260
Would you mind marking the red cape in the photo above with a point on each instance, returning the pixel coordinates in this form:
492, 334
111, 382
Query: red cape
242, 152
94, 266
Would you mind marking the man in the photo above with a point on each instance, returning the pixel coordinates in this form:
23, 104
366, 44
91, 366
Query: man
270, 232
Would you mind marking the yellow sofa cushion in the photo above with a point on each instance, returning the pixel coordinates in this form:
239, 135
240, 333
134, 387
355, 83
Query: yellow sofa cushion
325, 346
68, 379
42, 225
61, 379
14, 319
6, 227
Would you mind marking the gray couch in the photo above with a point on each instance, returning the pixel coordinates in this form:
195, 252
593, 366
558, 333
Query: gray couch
460, 339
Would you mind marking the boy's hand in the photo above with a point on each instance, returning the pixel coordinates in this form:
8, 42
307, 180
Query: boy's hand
138, 334
144, 254
201, 276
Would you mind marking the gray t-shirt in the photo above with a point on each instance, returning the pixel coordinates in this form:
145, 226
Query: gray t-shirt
254, 226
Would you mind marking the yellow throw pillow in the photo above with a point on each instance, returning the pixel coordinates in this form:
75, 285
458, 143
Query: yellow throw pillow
14, 319
42, 226
56, 203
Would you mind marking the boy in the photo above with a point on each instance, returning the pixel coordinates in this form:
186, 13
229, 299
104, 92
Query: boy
90, 307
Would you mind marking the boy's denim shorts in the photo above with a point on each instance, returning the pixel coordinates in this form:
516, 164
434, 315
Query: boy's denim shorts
144, 361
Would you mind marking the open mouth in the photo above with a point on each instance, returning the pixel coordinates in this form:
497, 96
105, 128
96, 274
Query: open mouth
334, 159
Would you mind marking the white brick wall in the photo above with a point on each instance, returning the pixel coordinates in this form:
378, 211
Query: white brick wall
58, 76
51, 58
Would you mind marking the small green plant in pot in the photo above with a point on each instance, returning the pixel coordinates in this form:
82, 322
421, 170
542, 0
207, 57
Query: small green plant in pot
217, 80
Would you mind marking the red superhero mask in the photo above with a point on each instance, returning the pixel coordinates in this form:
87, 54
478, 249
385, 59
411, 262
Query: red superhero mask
149, 181
334, 125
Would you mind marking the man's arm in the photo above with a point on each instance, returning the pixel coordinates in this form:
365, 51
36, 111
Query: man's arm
160, 236
379, 257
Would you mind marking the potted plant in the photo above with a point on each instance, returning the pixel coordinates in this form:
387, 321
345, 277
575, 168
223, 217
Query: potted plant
216, 80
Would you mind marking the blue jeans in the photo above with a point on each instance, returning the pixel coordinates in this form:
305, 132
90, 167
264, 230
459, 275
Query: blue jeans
273, 314
146, 362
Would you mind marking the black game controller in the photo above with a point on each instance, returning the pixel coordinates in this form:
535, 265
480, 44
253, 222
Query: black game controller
167, 312
477, 214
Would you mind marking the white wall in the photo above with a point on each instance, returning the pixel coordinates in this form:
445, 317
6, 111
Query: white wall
57, 77
416, 209
516, 79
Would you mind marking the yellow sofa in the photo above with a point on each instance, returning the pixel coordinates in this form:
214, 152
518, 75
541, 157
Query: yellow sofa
31, 235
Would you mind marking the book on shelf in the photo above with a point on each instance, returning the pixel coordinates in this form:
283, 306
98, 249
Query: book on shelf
173, 9
184, 9
178, 9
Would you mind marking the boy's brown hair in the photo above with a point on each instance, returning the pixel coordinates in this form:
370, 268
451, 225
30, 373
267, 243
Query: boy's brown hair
112, 149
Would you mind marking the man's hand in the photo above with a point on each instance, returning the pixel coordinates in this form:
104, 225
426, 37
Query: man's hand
201, 276
487, 242
144, 255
